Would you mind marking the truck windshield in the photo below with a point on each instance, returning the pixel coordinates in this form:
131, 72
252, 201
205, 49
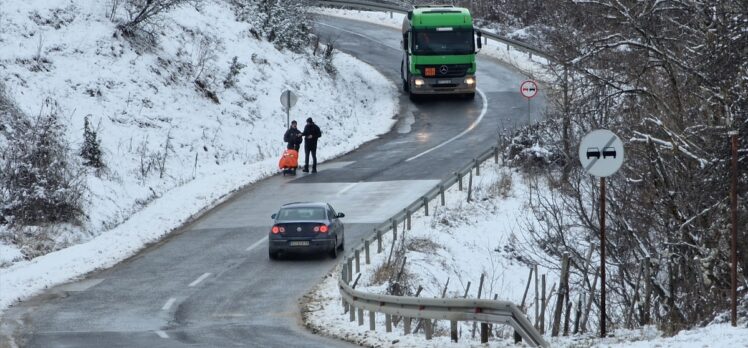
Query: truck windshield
432, 42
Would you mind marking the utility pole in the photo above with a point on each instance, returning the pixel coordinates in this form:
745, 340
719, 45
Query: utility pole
734, 219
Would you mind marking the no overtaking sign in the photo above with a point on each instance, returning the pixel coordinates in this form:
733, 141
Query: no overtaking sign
601, 153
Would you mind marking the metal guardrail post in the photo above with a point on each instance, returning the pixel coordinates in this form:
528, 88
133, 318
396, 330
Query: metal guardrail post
407, 218
360, 316
406, 325
358, 260
428, 329
459, 180
453, 330
388, 322
350, 270
441, 193
426, 206
379, 242
366, 251
483, 333
496, 155
477, 167
352, 313
394, 228
372, 320
470, 187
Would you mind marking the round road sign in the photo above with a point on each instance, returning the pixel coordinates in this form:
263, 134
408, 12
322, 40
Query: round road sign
528, 89
601, 153
288, 99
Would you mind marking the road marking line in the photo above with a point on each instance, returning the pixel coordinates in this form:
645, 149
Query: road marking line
161, 334
263, 240
345, 189
360, 35
472, 126
198, 280
168, 304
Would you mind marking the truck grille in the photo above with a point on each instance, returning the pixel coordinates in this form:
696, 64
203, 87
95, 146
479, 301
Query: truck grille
452, 70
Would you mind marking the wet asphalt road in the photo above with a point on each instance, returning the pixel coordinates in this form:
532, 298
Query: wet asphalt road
211, 283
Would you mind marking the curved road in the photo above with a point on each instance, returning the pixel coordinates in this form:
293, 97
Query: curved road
211, 283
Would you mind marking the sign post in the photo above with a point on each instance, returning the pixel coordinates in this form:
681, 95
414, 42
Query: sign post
528, 89
601, 154
734, 219
288, 100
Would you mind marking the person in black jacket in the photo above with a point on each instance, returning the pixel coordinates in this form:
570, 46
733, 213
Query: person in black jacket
311, 134
293, 137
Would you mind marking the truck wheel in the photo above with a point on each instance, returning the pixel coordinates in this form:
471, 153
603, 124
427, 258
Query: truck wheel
414, 97
406, 88
470, 96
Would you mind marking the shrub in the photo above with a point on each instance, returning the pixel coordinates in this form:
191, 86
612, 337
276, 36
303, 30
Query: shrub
38, 181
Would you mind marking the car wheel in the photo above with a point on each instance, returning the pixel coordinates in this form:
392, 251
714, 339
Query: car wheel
273, 255
334, 251
342, 244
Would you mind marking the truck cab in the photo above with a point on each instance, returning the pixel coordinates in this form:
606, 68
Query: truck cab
439, 46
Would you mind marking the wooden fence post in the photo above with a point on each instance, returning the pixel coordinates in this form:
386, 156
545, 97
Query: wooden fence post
561, 295
542, 305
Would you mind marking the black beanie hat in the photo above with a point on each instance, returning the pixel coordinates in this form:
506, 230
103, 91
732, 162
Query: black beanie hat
309, 120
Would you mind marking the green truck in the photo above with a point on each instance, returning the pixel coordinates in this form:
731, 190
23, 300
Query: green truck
439, 45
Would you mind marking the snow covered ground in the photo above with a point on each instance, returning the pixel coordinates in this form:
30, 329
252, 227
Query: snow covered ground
459, 242
144, 104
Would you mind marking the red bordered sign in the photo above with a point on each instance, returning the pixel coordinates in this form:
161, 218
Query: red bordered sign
528, 89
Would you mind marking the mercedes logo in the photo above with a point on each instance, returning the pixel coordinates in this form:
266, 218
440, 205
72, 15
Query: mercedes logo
298, 229
443, 69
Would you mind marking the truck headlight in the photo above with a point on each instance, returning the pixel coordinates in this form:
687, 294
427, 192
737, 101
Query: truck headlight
418, 82
470, 81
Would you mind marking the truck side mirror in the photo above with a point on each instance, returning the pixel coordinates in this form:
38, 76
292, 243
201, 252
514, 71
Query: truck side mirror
410, 15
479, 41
405, 42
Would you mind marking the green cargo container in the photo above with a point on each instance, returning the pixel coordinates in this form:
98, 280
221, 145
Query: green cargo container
439, 46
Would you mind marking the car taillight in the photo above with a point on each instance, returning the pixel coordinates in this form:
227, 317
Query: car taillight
277, 229
323, 228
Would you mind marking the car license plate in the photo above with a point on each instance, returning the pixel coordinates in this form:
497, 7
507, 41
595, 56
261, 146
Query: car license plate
444, 82
299, 243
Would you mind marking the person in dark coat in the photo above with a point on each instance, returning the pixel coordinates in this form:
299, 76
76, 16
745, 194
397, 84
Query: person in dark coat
293, 137
311, 134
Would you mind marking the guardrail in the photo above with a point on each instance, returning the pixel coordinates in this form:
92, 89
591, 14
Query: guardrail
454, 310
381, 6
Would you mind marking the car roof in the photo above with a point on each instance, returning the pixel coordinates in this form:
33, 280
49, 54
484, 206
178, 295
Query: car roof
305, 205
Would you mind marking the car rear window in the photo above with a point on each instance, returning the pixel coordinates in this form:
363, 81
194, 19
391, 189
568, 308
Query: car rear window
308, 213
